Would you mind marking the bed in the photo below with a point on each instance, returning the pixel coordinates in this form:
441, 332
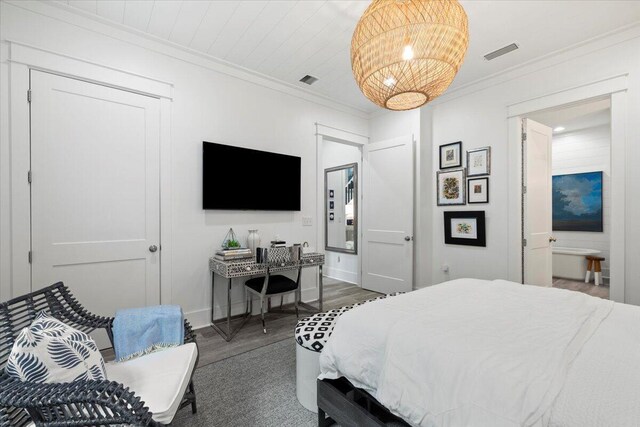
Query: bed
492, 353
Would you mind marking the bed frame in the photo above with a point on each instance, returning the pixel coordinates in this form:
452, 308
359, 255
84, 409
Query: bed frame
341, 402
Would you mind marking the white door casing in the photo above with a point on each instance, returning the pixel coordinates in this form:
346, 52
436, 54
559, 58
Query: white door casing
387, 192
537, 198
95, 192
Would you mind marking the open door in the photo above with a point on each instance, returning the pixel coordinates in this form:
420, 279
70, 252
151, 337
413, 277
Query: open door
387, 250
537, 208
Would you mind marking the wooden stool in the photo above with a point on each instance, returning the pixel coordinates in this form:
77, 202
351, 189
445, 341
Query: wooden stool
594, 263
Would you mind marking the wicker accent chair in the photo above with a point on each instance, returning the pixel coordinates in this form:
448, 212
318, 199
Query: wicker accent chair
79, 403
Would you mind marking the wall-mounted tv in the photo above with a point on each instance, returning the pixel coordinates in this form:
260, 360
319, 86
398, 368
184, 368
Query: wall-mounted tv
244, 179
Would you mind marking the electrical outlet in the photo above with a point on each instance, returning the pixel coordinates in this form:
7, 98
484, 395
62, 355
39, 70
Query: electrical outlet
307, 221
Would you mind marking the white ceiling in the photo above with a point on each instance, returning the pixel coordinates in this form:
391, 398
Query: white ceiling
286, 39
575, 117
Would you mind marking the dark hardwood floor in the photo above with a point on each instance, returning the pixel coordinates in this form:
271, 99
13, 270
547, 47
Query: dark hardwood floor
279, 326
601, 291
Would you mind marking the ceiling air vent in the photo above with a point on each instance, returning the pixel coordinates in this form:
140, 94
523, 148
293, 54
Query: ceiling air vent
309, 79
501, 51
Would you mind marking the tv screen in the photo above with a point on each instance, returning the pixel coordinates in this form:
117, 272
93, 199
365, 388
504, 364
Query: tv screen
244, 179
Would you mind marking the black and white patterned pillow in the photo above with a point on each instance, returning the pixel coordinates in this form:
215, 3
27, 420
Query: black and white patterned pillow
313, 332
49, 351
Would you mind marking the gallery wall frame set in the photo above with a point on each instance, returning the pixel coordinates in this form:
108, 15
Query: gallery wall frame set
465, 228
457, 185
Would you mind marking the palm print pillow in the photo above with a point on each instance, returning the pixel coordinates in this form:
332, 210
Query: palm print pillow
50, 351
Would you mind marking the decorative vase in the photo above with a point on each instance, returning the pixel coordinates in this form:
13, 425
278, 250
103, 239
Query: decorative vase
253, 240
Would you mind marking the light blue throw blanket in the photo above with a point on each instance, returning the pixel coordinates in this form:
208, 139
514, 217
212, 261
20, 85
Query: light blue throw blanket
140, 331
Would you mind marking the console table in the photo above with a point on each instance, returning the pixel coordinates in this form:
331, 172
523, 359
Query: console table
249, 267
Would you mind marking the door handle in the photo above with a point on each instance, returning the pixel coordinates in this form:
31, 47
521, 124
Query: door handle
408, 238
153, 248
552, 239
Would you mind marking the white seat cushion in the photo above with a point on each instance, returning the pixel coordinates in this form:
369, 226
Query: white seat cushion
160, 379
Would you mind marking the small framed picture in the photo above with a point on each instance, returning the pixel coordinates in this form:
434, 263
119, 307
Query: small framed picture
451, 155
331, 194
465, 228
479, 161
331, 204
478, 190
451, 187
331, 216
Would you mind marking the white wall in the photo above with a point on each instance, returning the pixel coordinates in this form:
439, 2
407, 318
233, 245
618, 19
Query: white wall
586, 150
341, 266
207, 105
477, 115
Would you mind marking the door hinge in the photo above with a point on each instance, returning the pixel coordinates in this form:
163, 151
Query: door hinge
29, 177
30, 257
29, 95
524, 136
524, 242
524, 189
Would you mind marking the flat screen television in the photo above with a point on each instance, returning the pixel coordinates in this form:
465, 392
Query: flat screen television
244, 179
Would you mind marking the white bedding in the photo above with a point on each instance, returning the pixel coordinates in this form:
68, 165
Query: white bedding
487, 353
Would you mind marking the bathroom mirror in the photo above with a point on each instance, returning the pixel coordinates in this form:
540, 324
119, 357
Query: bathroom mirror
341, 208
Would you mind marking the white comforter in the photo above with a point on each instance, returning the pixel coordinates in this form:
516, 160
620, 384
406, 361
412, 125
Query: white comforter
469, 352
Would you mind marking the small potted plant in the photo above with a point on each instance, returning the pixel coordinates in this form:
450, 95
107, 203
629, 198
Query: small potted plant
230, 240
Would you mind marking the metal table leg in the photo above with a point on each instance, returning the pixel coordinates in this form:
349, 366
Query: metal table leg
229, 333
320, 286
308, 307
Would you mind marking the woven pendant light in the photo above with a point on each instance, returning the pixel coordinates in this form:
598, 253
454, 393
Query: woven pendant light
405, 53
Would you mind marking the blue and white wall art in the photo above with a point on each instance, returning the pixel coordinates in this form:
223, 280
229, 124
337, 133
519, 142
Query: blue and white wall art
577, 202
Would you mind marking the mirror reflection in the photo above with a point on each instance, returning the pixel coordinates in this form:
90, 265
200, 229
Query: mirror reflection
341, 208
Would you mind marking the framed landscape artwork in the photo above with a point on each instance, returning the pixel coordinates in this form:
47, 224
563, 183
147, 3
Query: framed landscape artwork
451, 187
479, 161
465, 228
577, 202
451, 155
478, 190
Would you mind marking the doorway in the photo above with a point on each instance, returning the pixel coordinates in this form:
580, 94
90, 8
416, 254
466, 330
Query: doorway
566, 212
341, 177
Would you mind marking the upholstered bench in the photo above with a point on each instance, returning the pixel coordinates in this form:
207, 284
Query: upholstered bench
311, 334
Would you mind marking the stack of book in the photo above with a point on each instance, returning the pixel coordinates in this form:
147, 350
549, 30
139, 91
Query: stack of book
278, 244
233, 254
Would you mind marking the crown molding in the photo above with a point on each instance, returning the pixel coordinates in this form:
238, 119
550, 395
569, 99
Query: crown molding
586, 47
94, 23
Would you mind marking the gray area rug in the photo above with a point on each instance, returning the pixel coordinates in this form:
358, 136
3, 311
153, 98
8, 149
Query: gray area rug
257, 388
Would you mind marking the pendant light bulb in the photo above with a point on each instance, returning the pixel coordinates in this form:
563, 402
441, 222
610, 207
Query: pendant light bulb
407, 53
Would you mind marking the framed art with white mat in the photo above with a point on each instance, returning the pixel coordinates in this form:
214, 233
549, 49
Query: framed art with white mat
478, 190
451, 155
451, 187
479, 161
465, 228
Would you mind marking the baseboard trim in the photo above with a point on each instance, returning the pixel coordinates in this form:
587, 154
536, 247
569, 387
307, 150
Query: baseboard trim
342, 275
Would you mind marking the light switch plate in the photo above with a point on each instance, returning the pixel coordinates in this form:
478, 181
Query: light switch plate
307, 221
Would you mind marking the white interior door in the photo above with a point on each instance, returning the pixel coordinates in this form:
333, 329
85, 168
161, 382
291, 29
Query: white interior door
537, 203
95, 201
387, 250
